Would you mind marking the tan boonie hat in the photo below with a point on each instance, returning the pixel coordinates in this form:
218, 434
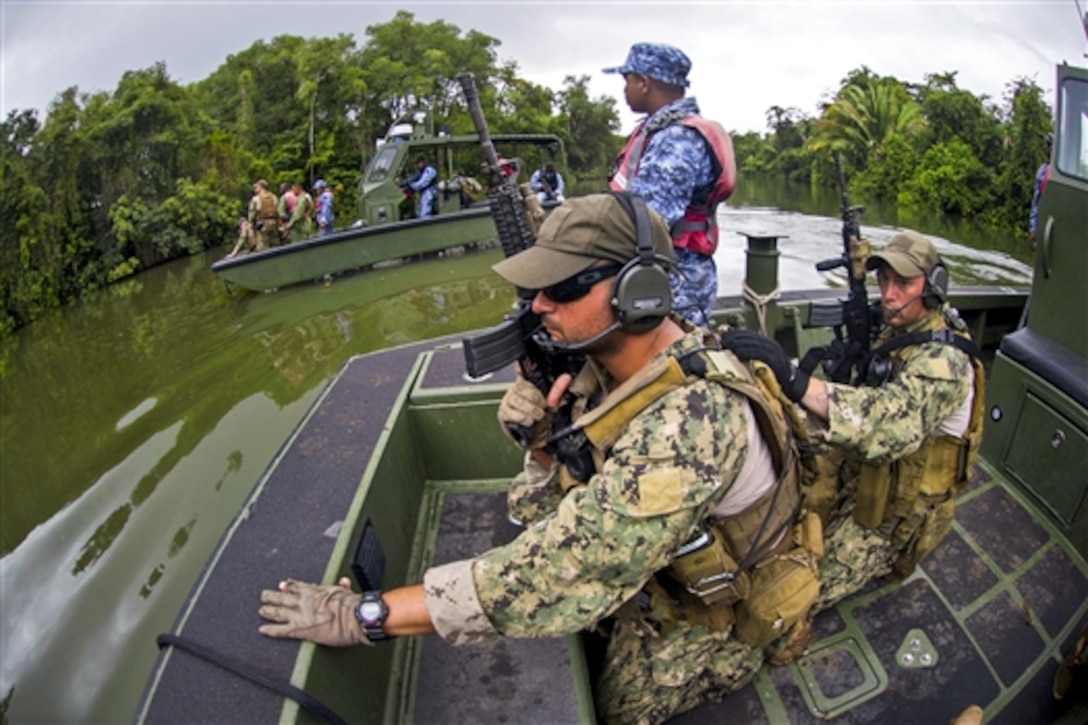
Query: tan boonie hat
909, 253
576, 235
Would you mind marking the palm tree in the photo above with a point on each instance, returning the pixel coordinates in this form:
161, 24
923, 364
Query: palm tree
863, 116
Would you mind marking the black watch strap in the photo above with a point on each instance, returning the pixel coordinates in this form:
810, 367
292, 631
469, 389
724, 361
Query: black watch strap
371, 613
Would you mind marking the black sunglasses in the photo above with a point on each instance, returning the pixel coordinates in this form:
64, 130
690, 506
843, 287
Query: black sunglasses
578, 286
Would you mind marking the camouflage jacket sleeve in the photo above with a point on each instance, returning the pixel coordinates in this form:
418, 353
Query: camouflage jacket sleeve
569, 570
886, 423
534, 493
674, 163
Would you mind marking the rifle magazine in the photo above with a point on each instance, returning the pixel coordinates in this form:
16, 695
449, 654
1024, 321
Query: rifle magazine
493, 349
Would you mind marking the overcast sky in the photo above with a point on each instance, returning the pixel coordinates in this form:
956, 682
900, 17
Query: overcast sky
747, 56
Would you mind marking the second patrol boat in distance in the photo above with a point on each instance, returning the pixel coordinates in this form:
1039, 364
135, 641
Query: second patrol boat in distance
388, 227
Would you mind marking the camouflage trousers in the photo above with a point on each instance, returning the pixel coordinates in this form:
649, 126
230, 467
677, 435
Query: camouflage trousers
694, 284
852, 557
650, 677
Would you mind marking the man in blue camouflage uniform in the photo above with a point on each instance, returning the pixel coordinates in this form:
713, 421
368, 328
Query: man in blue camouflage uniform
910, 434
588, 550
674, 166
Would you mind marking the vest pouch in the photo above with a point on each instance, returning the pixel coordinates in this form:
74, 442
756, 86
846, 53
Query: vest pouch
942, 466
808, 533
820, 472
874, 487
708, 572
783, 591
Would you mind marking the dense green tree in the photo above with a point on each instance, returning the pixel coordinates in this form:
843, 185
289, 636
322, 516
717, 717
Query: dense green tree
1028, 119
949, 178
588, 127
864, 113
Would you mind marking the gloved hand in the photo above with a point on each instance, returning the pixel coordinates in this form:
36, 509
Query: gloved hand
321, 614
524, 405
748, 345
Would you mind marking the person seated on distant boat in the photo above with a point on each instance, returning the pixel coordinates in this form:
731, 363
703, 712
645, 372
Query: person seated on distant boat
425, 183
301, 224
547, 183
675, 446
910, 432
264, 215
467, 188
247, 239
324, 208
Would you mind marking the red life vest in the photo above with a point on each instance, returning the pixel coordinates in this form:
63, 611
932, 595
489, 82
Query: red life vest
698, 229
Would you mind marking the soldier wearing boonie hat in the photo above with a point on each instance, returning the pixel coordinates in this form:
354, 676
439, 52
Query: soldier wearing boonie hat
909, 432
681, 163
590, 547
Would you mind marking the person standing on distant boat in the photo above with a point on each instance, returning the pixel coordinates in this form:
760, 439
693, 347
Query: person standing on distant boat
425, 183
287, 202
685, 474
264, 215
325, 214
301, 224
681, 163
547, 183
1041, 177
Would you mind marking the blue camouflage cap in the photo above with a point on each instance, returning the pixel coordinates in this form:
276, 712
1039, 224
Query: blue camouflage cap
658, 61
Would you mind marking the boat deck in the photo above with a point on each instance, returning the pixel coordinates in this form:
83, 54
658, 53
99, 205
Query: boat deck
981, 622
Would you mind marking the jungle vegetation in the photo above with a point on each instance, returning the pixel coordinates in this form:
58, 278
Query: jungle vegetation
108, 184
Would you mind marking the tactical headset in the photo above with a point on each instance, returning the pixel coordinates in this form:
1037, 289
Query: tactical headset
640, 295
935, 291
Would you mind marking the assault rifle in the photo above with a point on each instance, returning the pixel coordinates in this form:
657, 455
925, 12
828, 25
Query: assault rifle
520, 337
854, 328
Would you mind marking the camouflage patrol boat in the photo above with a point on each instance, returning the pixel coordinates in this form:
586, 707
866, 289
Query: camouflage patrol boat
380, 478
382, 231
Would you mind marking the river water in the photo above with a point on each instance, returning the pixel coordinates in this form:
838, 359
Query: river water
133, 424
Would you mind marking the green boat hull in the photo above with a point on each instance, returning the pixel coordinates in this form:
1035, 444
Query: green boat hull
318, 257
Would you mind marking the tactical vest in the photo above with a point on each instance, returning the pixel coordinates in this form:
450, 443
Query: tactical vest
716, 570
698, 229
266, 206
910, 500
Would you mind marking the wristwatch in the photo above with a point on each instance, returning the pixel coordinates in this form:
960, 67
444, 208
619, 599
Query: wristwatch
371, 613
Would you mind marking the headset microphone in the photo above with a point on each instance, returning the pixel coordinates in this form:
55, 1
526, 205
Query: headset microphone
889, 314
550, 345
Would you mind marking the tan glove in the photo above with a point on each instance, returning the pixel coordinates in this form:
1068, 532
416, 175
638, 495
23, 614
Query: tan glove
321, 614
524, 405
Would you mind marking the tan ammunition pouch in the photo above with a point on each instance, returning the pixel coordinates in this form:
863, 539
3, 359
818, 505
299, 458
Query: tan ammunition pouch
783, 588
909, 500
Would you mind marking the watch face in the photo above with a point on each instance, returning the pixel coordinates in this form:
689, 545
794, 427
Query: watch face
370, 612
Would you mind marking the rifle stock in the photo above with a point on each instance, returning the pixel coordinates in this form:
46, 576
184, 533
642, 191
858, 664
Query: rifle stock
518, 338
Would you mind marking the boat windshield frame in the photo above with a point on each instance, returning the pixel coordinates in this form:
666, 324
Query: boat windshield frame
1071, 147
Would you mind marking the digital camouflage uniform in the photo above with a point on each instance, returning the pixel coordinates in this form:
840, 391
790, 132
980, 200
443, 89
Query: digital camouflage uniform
673, 166
879, 425
588, 553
